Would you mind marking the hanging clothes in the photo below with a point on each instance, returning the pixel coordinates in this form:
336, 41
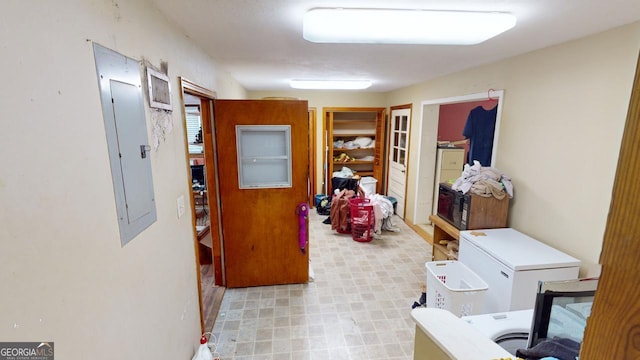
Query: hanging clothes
479, 129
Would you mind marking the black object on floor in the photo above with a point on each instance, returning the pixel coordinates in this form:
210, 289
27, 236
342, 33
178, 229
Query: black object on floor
422, 303
327, 221
324, 206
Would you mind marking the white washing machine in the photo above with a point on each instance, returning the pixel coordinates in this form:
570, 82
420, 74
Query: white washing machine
508, 329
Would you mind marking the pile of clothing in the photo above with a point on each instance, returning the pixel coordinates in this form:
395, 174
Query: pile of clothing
340, 217
383, 212
555, 348
340, 210
484, 181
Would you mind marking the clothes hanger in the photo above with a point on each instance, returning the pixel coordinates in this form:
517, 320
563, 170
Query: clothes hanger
489, 95
491, 99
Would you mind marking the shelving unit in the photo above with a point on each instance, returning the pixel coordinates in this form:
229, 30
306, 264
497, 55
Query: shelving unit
442, 230
344, 125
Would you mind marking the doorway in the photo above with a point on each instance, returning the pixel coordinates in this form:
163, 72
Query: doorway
312, 156
428, 145
202, 175
398, 155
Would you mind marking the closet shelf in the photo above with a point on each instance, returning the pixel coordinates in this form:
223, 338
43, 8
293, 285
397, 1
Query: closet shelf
352, 133
354, 162
356, 149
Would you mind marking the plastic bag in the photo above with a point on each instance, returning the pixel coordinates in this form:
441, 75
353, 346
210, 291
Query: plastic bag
204, 352
324, 206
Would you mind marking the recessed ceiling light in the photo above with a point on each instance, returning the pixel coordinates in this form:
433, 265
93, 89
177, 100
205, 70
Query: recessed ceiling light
330, 84
390, 26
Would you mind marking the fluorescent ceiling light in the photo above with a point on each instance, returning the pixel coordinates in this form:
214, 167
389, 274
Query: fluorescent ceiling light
387, 26
330, 84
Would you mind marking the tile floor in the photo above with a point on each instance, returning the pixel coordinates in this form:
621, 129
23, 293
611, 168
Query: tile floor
357, 307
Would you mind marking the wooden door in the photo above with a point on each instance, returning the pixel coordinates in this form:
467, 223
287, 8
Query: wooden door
398, 156
260, 196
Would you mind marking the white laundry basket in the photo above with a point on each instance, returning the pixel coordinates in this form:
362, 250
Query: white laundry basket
368, 185
452, 286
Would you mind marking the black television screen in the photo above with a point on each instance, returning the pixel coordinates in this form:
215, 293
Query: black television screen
197, 174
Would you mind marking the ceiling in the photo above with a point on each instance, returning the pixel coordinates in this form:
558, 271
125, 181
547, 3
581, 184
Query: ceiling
259, 42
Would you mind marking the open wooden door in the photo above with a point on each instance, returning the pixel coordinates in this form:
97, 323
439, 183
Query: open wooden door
263, 162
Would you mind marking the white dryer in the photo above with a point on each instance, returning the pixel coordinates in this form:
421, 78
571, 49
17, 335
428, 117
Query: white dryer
509, 329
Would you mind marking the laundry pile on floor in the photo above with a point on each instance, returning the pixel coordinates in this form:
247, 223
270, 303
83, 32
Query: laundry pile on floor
339, 214
383, 211
484, 181
346, 188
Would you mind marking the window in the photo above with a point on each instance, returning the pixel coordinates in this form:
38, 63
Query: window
264, 156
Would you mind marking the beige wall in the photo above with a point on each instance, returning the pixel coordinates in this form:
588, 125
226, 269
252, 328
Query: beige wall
561, 156
65, 278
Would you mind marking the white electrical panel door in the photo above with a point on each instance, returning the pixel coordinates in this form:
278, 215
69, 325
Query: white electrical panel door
127, 141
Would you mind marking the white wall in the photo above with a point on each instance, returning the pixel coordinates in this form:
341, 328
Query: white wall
65, 278
564, 113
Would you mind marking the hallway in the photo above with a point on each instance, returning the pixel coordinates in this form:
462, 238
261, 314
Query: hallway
357, 307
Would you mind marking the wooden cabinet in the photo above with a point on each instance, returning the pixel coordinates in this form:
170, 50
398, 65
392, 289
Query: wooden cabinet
355, 139
449, 165
443, 231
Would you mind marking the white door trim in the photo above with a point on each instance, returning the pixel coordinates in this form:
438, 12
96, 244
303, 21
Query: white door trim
401, 202
425, 175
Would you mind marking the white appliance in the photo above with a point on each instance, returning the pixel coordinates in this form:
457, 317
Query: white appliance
512, 263
509, 329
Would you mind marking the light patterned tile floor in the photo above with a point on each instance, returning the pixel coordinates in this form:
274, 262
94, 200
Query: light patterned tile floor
357, 307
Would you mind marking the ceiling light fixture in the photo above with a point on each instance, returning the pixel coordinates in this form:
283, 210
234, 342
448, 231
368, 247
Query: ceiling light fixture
390, 26
330, 84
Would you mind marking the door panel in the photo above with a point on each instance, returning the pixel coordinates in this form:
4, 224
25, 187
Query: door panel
128, 112
398, 152
260, 225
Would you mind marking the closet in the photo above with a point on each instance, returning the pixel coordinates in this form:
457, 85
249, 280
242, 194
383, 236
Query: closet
355, 139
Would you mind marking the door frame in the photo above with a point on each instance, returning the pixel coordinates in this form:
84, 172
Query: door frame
427, 146
407, 154
312, 156
208, 129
